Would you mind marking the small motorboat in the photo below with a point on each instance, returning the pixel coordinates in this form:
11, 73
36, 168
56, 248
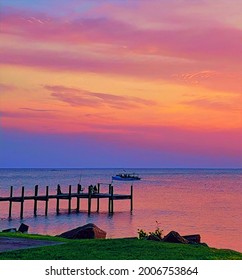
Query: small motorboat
126, 177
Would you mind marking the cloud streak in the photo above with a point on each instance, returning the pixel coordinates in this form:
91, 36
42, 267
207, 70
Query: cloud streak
117, 46
80, 97
27, 113
176, 71
213, 104
37, 110
218, 42
4, 88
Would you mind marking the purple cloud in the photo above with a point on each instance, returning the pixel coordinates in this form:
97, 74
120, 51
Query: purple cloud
80, 97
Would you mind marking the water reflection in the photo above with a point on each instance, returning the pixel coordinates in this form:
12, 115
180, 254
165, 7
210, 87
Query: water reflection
189, 201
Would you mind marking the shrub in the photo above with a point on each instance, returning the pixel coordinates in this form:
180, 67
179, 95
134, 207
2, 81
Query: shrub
144, 235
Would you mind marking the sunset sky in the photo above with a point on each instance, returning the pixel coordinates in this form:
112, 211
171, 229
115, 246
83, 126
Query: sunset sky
121, 83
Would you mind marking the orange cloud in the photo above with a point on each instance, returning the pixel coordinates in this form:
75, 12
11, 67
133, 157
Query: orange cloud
213, 104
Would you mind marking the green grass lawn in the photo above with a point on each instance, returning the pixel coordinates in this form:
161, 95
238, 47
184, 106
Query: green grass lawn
117, 249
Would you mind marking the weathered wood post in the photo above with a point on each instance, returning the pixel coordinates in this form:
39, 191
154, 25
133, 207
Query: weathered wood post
69, 200
78, 198
110, 200
98, 191
89, 199
10, 202
58, 200
22, 204
35, 199
131, 198
46, 200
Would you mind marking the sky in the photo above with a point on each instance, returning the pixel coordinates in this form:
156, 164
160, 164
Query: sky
121, 83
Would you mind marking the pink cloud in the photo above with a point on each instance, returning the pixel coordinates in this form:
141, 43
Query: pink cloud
28, 114
217, 42
37, 110
129, 48
212, 104
175, 71
4, 88
218, 80
80, 97
68, 61
38, 26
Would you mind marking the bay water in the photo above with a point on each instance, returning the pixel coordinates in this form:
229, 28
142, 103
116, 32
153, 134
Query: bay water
190, 201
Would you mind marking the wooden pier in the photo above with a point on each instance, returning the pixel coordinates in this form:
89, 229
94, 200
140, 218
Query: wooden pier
78, 195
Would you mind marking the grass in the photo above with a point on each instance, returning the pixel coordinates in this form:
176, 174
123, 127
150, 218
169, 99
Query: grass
116, 249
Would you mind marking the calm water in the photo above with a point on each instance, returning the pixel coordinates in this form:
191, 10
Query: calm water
190, 201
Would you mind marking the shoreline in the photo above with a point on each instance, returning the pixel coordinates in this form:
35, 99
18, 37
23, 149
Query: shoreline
18, 241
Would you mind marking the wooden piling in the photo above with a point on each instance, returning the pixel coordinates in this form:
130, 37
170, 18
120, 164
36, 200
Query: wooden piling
110, 200
35, 199
22, 204
89, 199
69, 200
10, 202
47, 200
131, 198
98, 202
57, 201
78, 198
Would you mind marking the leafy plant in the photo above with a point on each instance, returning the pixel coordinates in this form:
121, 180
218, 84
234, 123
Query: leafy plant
157, 233
142, 234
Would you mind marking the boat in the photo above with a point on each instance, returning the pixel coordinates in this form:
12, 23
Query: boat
126, 177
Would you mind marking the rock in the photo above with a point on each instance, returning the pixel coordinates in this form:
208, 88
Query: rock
23, 228
9, 230
194, 238
154, 237
88, 231
175, 237
204, 244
